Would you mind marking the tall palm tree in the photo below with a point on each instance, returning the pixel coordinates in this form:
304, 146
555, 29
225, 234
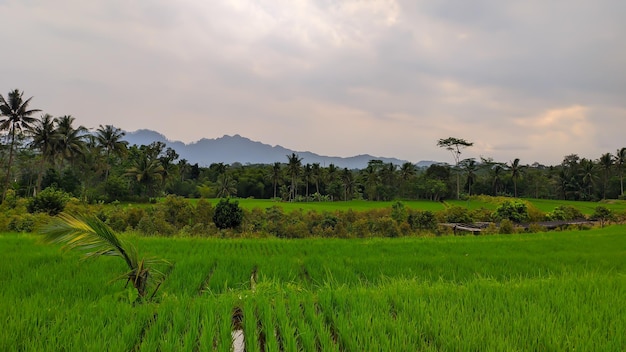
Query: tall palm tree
516, 173
147, 172
470, 167
497, 171
15, 116
307, 174
347, 178
588, 173
89, 234
606, 163
71, 143
110, 139
275, 175
227, 186
620, 161
294, 164
44, 137
407, 171
316, 175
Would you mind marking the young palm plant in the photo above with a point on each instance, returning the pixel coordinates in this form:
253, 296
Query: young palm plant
89, 234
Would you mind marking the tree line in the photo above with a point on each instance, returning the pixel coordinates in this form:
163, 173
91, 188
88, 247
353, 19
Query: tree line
40, 151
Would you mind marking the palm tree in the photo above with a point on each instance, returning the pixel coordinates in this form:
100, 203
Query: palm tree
71, 141
110, 138
147, 172
348, 183
307, 174
15, 117
44, 138
89, 234
606, 163
470, 167
293, 169
588, 173
316, 175
516, 174
227, 186
620, 160
275, 175
497, 171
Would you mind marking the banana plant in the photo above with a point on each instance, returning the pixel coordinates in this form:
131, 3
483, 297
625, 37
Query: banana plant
89, 234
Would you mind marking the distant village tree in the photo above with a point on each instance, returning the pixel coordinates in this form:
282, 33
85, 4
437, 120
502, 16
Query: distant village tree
455, 145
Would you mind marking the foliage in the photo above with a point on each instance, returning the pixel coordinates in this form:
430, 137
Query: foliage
50, 200
227, 214
565, 212
602, 214
90, 235
515, 211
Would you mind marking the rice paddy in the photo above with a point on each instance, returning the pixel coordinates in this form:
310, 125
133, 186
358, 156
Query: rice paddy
545, 291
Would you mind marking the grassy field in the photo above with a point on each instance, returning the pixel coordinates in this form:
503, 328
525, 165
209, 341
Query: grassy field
546, 291
545, 205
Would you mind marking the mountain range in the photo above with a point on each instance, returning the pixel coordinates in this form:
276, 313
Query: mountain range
232, 149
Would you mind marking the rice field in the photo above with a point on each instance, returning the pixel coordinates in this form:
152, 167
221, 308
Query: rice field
546, 291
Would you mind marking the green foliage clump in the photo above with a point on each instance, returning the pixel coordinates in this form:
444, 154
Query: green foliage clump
602, 214
422, 220
50, 200
457, 214
515, 211
228, 214
506, 227
565, 212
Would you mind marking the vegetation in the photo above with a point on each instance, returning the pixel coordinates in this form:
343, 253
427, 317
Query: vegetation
100, 166
545, 291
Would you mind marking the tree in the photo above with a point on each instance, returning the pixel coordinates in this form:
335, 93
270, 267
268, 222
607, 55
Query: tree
347, 180
147, 172
307, 174
620, 160
516, 173
15, 116
71, 141
275, 175
602, 214
226, 186
470, 167
44, 137
227, 214
316, 176
89, 234
294, 163
606, 163
455, 145
110, 139
407, 170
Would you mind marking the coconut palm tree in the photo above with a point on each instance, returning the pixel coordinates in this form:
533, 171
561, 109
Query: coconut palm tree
44, 137
146, 171
307, 174
620, 160
227, 186
316, 175
71, 142
15, 116
89, 234
470, 167
606, 163
110, 139
347, 179
516, 173
275, 175
589, 177
294, 164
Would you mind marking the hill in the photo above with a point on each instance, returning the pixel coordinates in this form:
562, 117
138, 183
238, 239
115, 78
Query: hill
231, 149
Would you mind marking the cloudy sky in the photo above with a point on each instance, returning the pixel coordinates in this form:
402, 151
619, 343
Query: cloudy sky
534, 80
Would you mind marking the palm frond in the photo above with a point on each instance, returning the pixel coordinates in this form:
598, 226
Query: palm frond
89, 234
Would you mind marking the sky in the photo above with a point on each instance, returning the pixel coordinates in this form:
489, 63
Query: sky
535, 80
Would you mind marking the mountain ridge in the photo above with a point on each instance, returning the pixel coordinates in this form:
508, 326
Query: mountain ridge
236, 148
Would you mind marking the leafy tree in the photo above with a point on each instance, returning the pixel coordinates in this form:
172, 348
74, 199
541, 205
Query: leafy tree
89, 234
602, 214
227, 214
15, 116
71, 141
455, 145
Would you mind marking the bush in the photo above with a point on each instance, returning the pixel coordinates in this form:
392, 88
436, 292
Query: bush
50, 200
565, 212
506, 227
228, 215
515, 211
423, 220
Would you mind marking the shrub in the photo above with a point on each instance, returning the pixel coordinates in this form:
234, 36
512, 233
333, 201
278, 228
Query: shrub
227, 214
422, 220
506, 227
178, 212
50, 200
515, 211
458, 214
565, 212
602, 214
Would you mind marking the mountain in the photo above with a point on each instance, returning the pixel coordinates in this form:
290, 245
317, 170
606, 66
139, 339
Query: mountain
231, 149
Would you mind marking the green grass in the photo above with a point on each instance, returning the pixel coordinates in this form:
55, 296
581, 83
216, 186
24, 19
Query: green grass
546, 291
